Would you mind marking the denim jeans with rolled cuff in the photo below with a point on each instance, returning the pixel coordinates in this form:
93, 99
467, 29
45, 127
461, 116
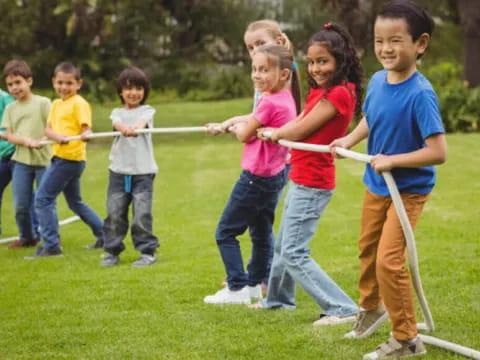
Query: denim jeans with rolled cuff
251, 206
292, 262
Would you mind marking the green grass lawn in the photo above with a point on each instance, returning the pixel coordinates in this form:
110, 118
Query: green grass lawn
71, 308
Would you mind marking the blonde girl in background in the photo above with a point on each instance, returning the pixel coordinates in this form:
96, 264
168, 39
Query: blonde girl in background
259, 33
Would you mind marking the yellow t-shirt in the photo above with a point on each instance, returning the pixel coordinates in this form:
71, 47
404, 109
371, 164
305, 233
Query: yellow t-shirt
67, 117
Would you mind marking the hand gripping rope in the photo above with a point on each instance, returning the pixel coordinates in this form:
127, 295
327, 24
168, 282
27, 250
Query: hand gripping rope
397, 201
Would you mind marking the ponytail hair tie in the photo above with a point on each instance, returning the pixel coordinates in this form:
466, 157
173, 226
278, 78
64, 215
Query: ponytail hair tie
327, 26
294, 66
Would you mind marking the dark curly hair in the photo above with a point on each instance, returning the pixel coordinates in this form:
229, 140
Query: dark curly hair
348, 67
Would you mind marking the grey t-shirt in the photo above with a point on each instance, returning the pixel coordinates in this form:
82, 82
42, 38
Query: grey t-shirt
133, 155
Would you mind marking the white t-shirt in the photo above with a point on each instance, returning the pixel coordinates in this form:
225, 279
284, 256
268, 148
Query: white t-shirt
133, 155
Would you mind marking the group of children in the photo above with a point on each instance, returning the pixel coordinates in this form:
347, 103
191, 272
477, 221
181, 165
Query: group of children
401, 121
28, 119
405, 133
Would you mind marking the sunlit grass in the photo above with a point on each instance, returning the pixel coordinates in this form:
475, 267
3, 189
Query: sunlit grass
71, 308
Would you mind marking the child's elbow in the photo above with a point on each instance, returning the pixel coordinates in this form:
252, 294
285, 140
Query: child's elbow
442, 157
241, 137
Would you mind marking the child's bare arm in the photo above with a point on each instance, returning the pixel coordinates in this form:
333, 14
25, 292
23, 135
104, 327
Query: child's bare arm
86, 131
235, 120
52, 135
358, 134
433, 154
22, 140
305, 125
223, 127
246, 130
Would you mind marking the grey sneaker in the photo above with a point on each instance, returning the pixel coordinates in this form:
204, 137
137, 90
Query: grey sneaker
394, 349
367, 322
42, 251
145, 260
110, 260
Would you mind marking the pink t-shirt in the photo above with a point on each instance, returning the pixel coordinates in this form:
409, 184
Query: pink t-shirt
265, 158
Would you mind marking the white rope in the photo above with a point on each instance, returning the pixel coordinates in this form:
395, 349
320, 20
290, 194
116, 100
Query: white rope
60, 223
459, 349
138, 131
409, 237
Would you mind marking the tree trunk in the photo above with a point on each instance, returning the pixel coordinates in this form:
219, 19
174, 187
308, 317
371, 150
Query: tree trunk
470, 20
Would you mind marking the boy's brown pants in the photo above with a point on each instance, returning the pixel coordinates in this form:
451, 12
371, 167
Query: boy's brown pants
383, 275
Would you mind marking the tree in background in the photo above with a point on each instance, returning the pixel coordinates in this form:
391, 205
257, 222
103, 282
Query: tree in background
470, 19
198, 44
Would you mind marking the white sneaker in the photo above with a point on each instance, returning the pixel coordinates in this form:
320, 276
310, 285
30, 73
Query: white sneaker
255, 293
334, 320
227, 296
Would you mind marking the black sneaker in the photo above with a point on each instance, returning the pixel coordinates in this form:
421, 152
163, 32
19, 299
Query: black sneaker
97, 245
42, 251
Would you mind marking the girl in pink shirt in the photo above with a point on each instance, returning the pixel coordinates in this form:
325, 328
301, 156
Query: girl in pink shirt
255, 195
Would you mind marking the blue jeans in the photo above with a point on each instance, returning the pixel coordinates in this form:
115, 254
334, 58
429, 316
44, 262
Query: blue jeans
23, 177
120, 196
251, 205
63, 176
292, 262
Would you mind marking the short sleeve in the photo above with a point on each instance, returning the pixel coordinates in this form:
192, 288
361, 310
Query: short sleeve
83, 112
147, 115
46, 106
341, 97
263, 111
427, 114
115, 116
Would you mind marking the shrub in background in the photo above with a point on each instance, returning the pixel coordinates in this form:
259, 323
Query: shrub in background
459, 105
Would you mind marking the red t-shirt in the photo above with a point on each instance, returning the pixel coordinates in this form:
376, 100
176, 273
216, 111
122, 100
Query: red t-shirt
315, 169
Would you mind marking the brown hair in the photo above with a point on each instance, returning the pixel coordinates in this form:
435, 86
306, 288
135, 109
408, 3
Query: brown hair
68, 68
17, 68
284, 60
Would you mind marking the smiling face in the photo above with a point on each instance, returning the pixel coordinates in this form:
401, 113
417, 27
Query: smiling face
267, 77
395, 48
257, 38
66, 84
321, 64
19, 87
132, 96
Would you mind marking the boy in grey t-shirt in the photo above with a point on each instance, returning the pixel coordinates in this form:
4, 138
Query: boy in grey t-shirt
132, 171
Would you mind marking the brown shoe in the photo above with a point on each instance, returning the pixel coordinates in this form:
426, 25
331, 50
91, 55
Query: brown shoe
23, 243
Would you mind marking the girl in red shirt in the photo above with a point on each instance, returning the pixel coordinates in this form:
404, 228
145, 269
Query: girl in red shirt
335, 78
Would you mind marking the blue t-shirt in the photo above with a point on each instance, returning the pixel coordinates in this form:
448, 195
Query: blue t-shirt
400, 117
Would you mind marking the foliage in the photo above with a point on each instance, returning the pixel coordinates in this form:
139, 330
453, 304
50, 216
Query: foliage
459, 105
70, 308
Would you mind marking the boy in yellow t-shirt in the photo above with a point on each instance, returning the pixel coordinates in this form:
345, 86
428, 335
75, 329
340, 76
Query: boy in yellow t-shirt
69, 116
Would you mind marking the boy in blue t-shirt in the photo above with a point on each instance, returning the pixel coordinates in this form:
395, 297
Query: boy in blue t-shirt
405, 133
